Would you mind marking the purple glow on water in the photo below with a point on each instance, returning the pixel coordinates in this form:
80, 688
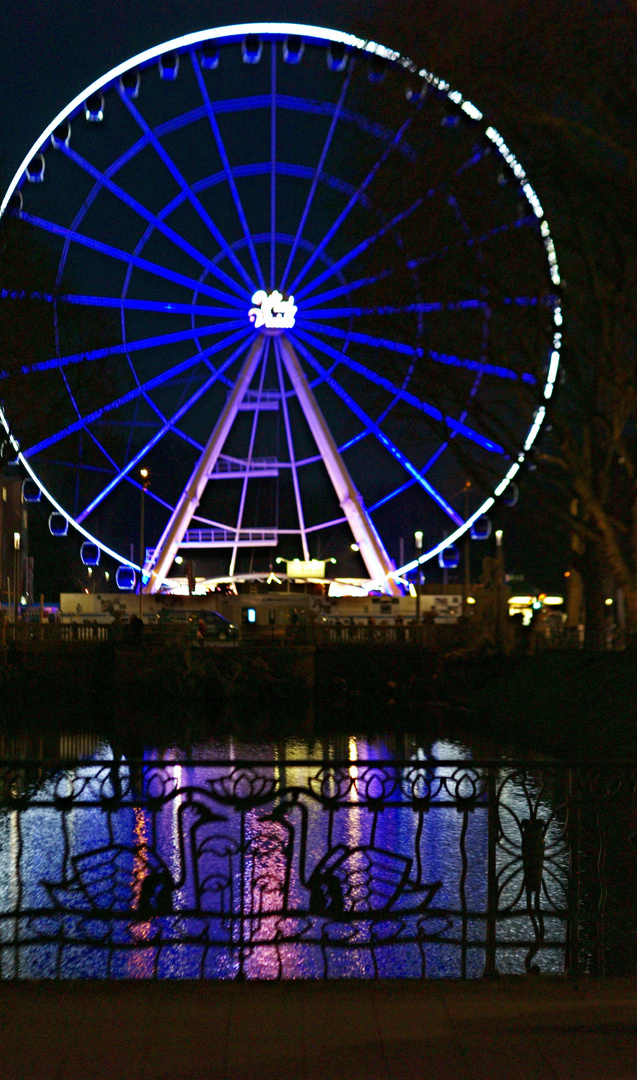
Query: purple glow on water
287, 883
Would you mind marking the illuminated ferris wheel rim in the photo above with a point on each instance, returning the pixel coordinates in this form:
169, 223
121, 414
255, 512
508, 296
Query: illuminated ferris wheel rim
236, 34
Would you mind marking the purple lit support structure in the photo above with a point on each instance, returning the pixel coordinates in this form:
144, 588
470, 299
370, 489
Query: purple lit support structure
378, 563
182, 514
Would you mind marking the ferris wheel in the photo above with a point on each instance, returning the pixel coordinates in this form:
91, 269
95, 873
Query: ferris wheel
301, 284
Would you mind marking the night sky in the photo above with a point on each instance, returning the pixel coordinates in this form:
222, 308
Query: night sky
51, 51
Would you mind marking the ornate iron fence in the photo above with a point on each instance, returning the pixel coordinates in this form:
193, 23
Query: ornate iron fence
306, 869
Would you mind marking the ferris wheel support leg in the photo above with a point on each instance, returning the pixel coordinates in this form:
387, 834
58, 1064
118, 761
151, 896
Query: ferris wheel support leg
182, 514
378, 563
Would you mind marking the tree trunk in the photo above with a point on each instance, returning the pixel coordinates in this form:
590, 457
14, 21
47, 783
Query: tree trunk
574, 604
592, 576
630, 604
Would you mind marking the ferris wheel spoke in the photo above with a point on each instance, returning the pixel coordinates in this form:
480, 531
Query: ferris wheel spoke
318, 172
104, 181
482, 368
349, 287
403, 309
393, 144
293, 462
423, 308
272, 164
399, 392
358, 250
380, 435
227, 169
141, 390
166, 427
162, 306
195, 202
476, 242
410, 483
132, 260
131, 480
128, 347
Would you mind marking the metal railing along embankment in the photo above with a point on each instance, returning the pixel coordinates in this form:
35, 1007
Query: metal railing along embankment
316, 869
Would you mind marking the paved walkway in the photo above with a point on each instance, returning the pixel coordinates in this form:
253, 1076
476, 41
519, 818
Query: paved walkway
511, 1029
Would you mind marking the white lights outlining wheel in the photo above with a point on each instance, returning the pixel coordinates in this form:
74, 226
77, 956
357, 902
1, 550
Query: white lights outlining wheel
324, 294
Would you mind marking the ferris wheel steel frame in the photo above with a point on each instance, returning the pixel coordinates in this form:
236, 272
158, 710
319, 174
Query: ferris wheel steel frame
299, 341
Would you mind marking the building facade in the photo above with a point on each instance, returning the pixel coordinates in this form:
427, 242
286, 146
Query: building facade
14, 548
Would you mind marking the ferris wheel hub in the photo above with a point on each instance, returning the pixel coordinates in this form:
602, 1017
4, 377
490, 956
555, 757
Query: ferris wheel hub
272, 313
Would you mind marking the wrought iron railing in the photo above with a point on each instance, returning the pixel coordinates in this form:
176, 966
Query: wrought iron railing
306, 869
89, 631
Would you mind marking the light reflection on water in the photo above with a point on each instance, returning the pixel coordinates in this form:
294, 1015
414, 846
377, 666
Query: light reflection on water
275, 940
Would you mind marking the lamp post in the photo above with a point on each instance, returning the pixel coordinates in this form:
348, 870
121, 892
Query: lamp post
16, 575
418, 543
466, 585
499, 554
144, 476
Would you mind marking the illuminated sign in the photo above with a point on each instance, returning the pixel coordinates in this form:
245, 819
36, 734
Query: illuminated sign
312, 568
271, 311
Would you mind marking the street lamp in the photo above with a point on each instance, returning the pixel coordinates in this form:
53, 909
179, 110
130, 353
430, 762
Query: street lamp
502, 606
418, 543
144, 474
16, 574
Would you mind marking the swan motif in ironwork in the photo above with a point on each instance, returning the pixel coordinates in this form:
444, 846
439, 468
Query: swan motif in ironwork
133, 880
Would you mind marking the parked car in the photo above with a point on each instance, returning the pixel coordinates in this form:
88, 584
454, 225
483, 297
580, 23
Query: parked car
218, 628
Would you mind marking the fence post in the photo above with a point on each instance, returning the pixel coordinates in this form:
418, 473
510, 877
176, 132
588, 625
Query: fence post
490, 970
572, 959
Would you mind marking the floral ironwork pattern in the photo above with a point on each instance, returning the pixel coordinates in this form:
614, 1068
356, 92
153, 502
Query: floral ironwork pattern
316, 869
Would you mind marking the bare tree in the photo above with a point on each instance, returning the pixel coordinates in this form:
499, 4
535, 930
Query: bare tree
559, 80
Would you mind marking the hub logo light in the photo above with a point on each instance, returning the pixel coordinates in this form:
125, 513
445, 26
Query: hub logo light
272, 312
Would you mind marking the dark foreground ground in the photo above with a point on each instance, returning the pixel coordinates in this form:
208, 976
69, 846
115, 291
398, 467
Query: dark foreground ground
391, 1030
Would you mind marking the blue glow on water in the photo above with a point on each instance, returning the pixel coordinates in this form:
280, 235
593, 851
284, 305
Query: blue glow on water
71, 882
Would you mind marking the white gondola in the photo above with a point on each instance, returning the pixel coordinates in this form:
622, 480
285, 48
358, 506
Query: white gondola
130, 83
209, 59
94, 108
169, 66
251, 49
125, 578
58, 524
31, 492
377, 69
35, 169
336, 56
90, 554
293, 48
61, 136
449, 557
481, 528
